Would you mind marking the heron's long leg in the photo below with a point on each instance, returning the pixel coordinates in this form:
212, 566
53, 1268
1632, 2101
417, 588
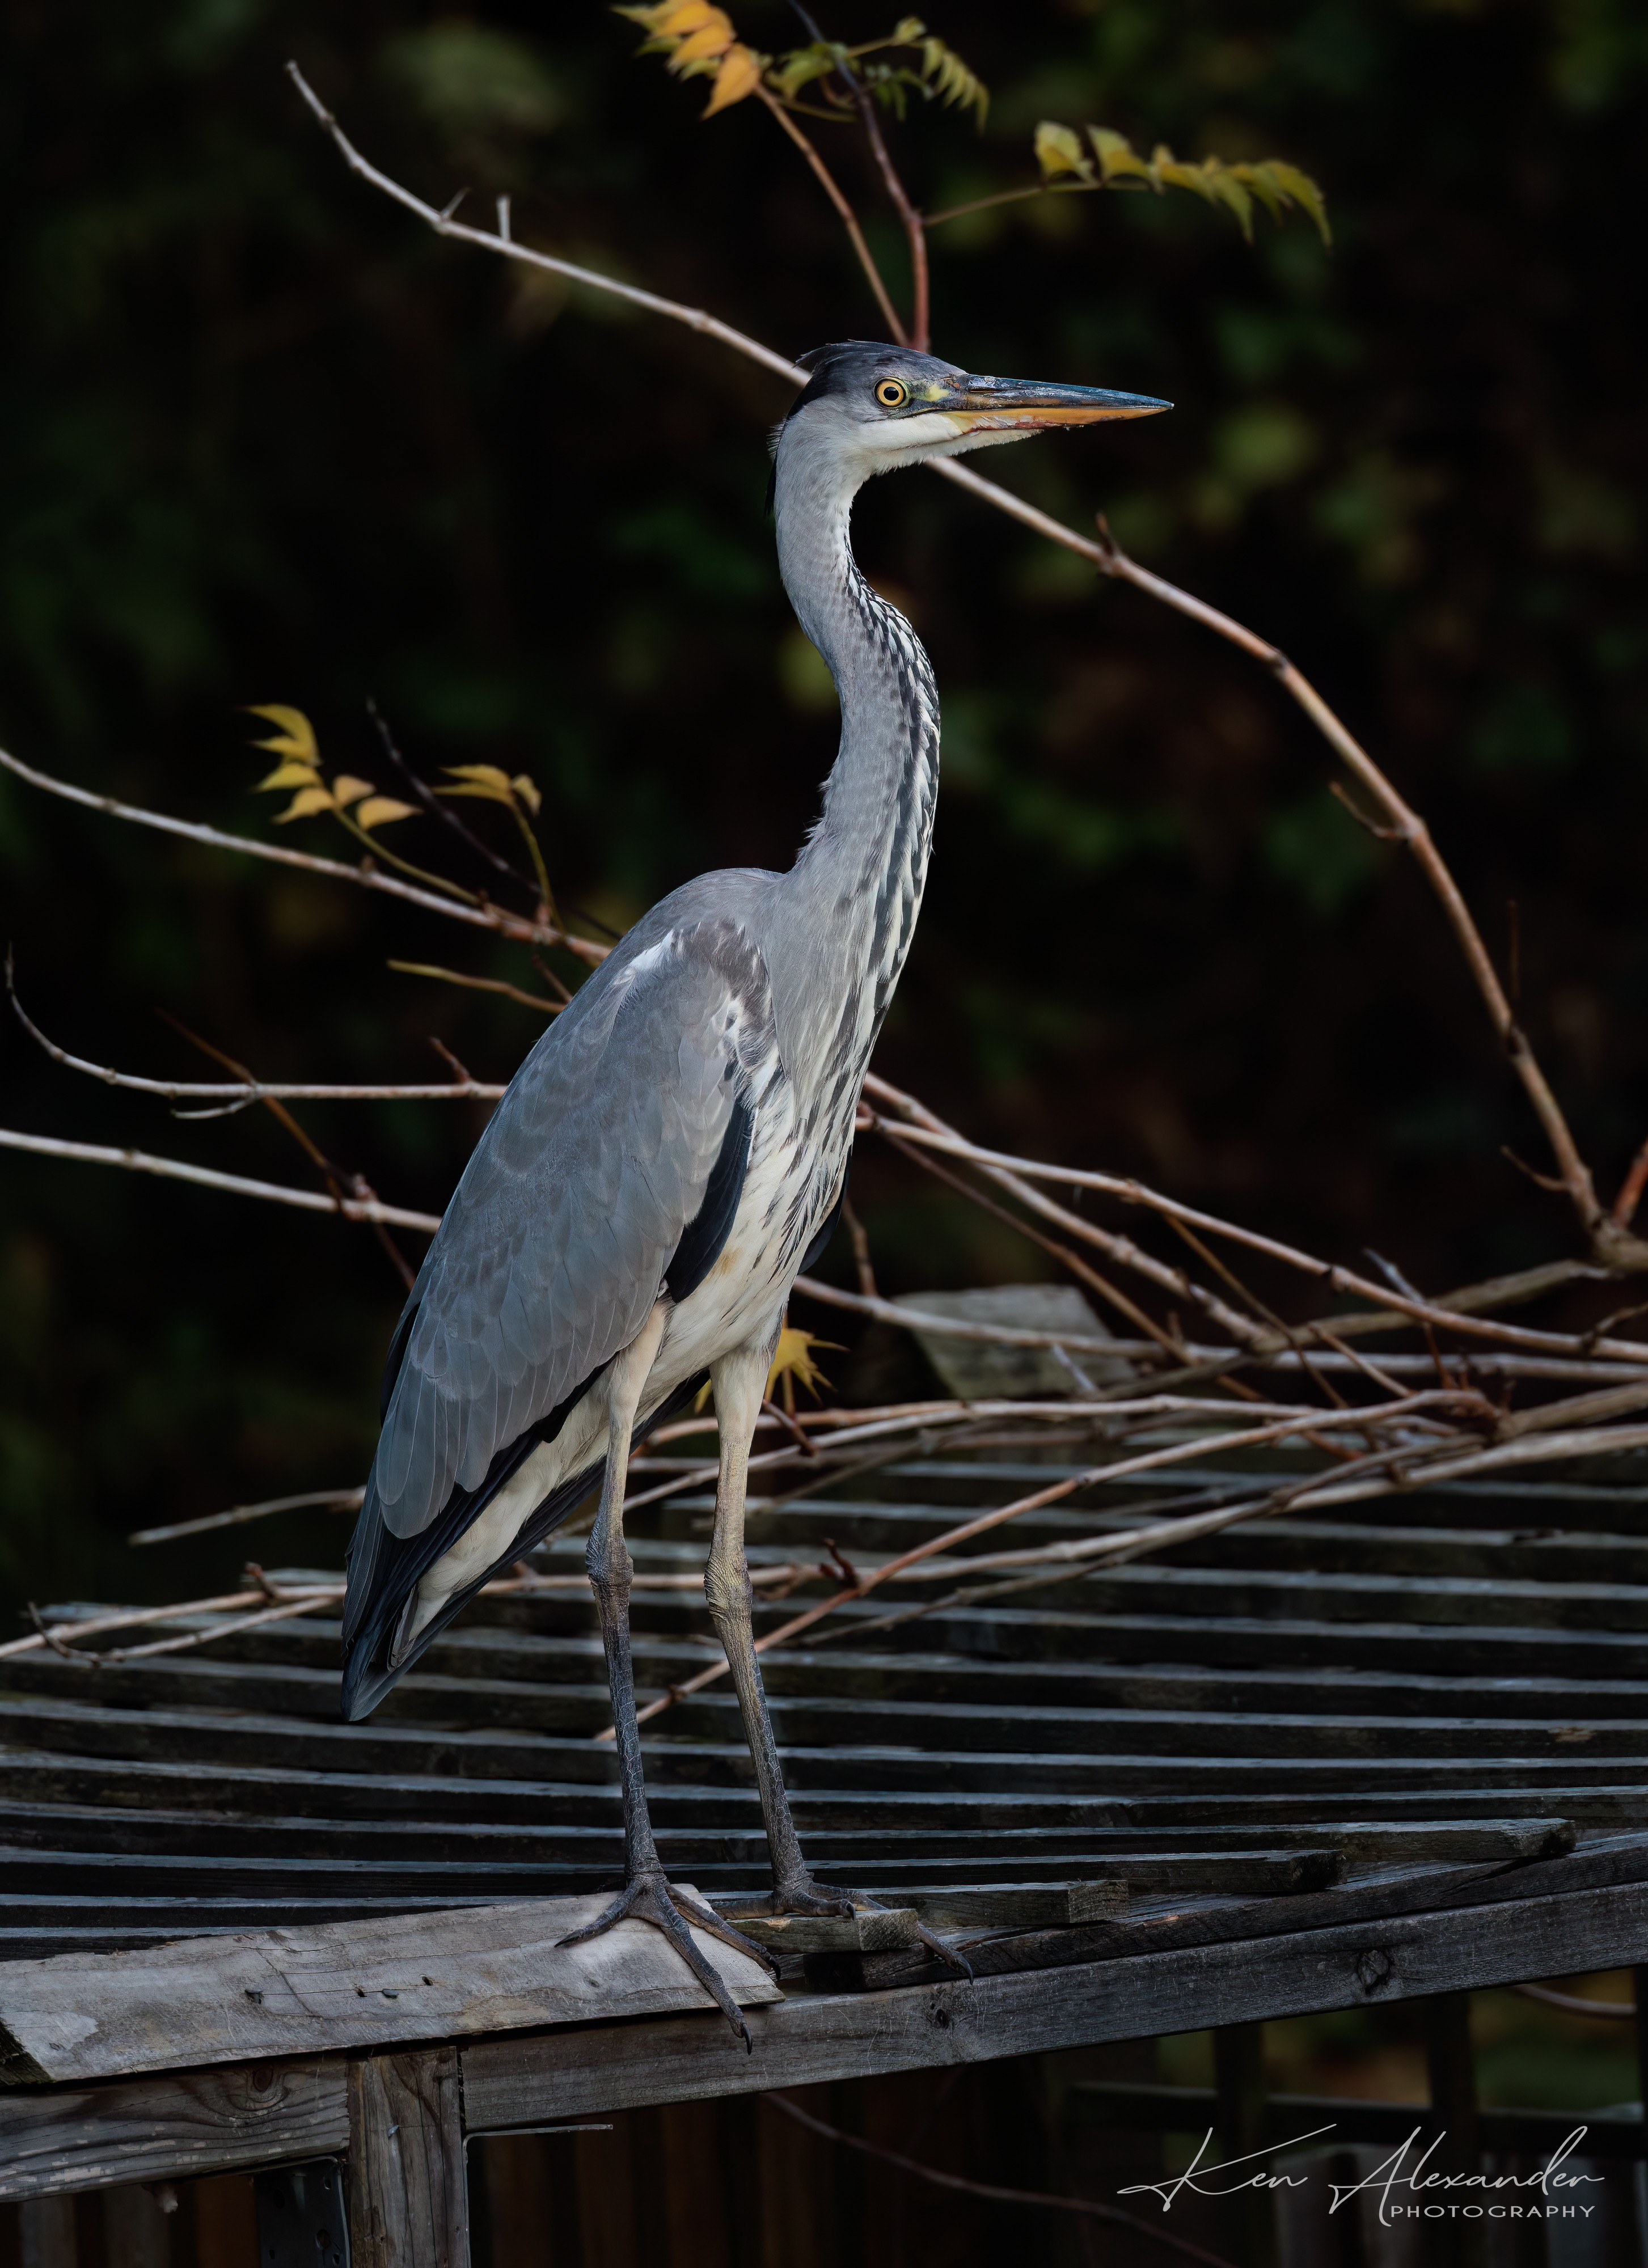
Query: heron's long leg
647, 1893
740, 1381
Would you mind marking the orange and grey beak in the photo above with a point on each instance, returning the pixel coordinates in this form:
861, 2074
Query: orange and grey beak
1026, 405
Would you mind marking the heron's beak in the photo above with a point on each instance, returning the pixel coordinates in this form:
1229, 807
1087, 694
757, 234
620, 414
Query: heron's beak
976, 405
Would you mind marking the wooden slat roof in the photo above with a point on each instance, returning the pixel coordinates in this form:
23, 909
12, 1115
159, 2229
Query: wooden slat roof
1284, 1725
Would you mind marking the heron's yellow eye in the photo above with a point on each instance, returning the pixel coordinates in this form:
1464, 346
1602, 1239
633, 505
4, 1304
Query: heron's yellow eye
892, 394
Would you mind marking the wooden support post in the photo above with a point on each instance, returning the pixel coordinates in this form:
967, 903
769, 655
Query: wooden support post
46, 2234
1639, 1994
1238, 2079
1452, 2065
407, 2203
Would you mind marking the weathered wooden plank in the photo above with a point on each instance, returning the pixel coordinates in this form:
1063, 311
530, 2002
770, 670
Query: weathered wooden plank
189, 1850
1151, 1924
408, 2202
865, 1931
545, 1686
534, 2081
169, 2128
952, 1744
379, 1984
990, 1791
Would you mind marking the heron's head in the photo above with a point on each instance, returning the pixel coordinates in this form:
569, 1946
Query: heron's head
875, 407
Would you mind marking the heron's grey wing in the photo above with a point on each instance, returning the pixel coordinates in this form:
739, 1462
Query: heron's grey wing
562, 1231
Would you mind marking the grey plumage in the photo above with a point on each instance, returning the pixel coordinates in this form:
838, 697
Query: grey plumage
635, 1212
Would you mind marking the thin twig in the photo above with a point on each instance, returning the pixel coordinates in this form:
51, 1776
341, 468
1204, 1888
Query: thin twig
346, 1500
1181, 1452
1341, 1279
173, 1169
241, 1092
1573, 2004
920, 333
475, 984
365, 876
1111, 2214
848, 217
694, 318
420, 787
1090, 1276
862, 1266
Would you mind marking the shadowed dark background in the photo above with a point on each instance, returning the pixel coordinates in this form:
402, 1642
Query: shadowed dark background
266, 439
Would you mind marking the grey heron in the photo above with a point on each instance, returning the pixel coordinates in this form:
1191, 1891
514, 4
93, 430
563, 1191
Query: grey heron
674, 1151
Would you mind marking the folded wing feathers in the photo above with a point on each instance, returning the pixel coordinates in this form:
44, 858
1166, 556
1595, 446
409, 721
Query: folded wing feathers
554, 1245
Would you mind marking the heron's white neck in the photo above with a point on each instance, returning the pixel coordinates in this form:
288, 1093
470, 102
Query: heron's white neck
855, 890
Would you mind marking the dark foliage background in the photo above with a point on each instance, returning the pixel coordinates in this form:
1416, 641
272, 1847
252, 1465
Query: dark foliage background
263, 439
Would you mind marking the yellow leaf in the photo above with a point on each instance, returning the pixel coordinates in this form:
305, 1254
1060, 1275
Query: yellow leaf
527, 791
346, 789
679, 19
1166, 167
286, 775
382, 811
1223, 185
703, 46
298, 734
487, 775
739, 75
304, 804
1058, 152
794, 1356
1115, 153
1304, 191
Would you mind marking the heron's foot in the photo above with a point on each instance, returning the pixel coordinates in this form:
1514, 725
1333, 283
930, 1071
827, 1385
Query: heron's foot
653, 1897
803, 1895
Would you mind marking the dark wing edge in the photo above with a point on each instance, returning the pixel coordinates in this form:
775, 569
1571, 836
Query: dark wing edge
385, 1569
397, 1563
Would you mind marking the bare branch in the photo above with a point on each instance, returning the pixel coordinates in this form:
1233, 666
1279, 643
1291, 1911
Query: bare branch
848, 217
419, 786
347, 1499
238, 1091
1122, 1469
1112, 2215
476, 984
364, 877
1341, 1279
694, 318
173, 1169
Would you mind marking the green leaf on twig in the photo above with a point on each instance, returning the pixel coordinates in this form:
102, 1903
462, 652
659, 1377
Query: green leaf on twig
1277, 185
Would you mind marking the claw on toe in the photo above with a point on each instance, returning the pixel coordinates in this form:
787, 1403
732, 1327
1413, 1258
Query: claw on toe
651, 1897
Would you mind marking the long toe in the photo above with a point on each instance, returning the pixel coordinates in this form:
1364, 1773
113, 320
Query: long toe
949, 1954
649, 1897
807, 1897
659, 1907
623, 1905
714, 1925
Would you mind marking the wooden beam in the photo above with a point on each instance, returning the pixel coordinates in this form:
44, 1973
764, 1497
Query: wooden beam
536, 2081
408, 2205
170, 2127
340, 1985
